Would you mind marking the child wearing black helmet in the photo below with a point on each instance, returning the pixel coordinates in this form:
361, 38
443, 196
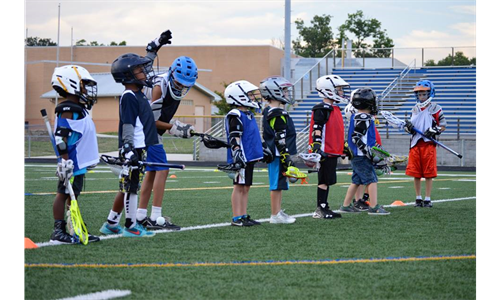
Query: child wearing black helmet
361, 139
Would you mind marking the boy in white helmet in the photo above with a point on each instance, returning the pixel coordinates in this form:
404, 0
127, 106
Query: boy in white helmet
76, 141
246, 147
280, 137
326, 137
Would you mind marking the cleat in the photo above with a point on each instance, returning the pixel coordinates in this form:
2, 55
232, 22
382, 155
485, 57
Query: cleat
93, 238
418, 203
241, 222
60, 236
152, 225
281, 218
108, 229
361, 205
253, 222
137, 231
427, 203
325, 213
348, 209
377, 210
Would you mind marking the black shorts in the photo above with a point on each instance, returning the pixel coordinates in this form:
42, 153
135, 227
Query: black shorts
248, 180
77, 185
328, 171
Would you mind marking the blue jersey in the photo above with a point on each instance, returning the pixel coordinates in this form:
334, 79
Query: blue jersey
250, 144
135, 110
363, 128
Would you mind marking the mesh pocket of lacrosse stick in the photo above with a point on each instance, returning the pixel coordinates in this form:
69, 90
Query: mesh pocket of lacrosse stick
78, 224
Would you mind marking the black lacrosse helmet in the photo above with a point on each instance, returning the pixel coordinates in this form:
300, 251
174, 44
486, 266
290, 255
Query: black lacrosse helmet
365, 98
125, 65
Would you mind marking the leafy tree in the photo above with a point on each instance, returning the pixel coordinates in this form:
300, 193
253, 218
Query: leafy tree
459, 60
222, 105
81, 42
364, 29
315, 40
36, 41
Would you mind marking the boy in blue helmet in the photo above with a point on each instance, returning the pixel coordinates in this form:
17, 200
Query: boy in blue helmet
165, 96
429, 118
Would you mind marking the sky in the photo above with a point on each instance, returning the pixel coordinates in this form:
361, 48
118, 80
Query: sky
445, 23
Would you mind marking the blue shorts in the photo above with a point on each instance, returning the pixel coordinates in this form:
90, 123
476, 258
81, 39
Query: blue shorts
277, 182
363, 172
156, 154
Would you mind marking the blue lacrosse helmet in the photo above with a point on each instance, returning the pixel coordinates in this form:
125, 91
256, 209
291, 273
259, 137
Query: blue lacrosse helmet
183, 74
424, 85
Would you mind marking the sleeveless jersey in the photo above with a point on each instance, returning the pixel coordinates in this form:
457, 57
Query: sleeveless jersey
250, 144
268, 133
370, 138
333, 132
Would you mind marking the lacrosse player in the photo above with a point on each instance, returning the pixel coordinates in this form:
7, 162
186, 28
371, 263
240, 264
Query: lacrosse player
362, 196
361, 138
326, 137
76, 141
246, 147
136, 132
165, 97
279, 136
428, 117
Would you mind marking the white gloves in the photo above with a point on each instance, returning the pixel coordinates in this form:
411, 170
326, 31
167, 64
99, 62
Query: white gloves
181, 130
64, 169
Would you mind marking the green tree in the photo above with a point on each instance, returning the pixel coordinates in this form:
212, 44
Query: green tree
315, 40
363, 30
222, 105
459, 60
36, 41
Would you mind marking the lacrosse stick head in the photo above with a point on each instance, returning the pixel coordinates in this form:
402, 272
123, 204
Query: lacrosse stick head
211, 142
231, 170
392, 119
311, 159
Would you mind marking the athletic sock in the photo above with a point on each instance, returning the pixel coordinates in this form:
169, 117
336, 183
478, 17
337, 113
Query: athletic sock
130, 210
419, 197
114, 218
427, 199
142, 213
155, 212
322, 197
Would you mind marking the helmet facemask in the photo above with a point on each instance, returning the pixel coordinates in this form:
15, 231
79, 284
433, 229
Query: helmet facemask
143, 74
277, 88
88, 93
177, 90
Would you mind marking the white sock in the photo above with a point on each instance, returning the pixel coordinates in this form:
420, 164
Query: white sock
419, 197
114, 218
142, 213
130, 210
427, 199
155, 212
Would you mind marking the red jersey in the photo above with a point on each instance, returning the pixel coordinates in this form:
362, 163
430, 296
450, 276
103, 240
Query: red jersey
333, 132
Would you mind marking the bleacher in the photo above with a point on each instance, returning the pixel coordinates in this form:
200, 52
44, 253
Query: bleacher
455, 92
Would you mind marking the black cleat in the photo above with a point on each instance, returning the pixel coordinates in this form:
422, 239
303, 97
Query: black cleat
418, 203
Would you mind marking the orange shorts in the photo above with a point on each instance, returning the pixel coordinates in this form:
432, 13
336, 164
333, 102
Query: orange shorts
422, 160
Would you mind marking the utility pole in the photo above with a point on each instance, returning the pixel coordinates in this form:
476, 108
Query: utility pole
287, 71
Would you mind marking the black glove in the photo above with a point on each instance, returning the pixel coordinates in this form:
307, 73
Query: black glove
347, 151
128, 153
239, 158
432, 132
268, 155
316, 148
409, 127
165, 38
156, 44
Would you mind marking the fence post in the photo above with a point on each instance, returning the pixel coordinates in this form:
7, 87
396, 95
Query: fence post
310, 81
458, 129
334, 60
302, 88
452, 56
393, 58
422, 57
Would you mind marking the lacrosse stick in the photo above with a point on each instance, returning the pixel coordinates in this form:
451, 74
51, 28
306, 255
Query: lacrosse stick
76, 217
312, 160
398, 123
210, 142
111, 160
233, 170
293, 174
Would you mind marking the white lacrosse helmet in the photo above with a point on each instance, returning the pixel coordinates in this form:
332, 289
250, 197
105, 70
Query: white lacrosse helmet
75, 80
243, 93
333, 87
349, 110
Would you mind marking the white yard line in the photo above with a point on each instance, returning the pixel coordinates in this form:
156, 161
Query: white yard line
106, 237
104, 295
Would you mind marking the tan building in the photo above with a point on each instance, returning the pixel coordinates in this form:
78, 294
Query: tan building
217, 64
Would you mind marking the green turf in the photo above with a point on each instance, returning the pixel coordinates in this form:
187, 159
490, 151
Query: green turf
202, 196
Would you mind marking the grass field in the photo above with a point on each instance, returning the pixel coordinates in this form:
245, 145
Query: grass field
414, 253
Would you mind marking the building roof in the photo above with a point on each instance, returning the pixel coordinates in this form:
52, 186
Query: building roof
107, 87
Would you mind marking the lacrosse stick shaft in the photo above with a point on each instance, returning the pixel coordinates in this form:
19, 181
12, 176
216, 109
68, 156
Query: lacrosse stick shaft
111, 160
400, 123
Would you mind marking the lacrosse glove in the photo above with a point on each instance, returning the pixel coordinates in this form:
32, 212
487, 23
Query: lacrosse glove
128, 153
408, 127
64, 169
432, 132
181, 130
316, 148
268, 155
156, 44
238, 159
